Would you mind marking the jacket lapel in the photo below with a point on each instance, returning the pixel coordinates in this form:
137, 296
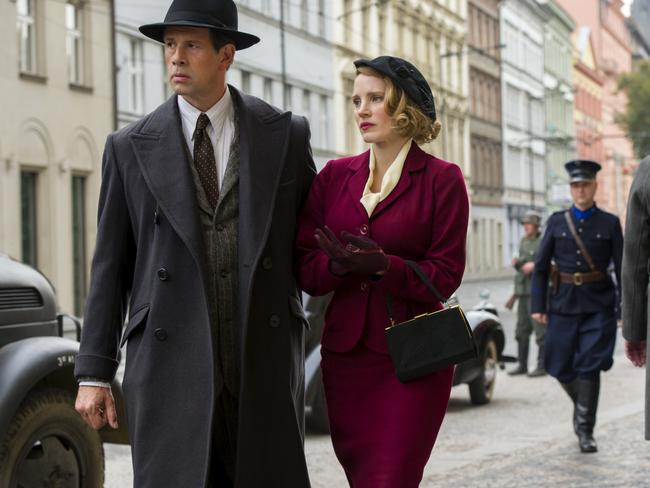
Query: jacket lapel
415, 161
263, 144
160, 149
360, 166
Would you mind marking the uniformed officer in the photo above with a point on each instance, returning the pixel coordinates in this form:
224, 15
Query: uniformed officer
524, 264
581, 305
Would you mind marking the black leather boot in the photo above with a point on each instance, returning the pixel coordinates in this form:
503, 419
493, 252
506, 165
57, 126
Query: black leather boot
586, 407
539, 370
572, 390
523, 359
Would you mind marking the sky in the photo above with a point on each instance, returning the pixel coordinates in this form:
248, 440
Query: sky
626, 7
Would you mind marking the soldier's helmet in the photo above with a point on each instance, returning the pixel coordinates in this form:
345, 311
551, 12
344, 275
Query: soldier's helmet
532, 217
582, 170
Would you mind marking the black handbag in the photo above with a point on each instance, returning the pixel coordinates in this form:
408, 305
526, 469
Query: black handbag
431, 341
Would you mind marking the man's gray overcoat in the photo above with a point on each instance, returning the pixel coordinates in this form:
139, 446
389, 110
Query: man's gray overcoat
150, 259
636, 269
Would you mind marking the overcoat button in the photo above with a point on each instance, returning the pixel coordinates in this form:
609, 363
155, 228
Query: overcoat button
160, 334
163, 275
578, 263
267, 263
224, 273
364, 229
220, 228
364, 286
274, 321
578, 251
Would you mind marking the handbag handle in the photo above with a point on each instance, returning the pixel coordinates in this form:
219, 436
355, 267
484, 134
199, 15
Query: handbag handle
424, 278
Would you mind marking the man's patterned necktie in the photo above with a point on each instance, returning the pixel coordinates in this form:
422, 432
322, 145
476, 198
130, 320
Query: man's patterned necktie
204, 161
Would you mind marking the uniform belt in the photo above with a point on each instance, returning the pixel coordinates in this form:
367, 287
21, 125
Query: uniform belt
578, 278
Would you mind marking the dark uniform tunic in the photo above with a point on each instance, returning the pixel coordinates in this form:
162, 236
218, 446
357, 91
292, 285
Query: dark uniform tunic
581, 318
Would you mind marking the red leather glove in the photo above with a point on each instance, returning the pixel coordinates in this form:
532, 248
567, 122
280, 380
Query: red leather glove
360, 256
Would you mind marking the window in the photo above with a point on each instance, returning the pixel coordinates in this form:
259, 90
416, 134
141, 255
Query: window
304, 15
324, 122
513, 97
28, 222
288, 93
74, 42
321, 17
79, 242
268, 90
306, 104
136, 76
26, 23
245, 81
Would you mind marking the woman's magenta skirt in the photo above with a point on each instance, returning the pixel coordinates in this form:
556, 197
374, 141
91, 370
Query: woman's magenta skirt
383, 431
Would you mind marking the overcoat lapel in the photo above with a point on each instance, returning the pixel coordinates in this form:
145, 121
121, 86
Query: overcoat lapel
159, 147
263, 139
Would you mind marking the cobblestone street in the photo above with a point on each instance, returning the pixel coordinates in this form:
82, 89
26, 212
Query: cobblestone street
522, 438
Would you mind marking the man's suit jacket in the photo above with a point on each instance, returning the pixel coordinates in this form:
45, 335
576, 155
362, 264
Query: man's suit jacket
636, 269
423, 219
150, 259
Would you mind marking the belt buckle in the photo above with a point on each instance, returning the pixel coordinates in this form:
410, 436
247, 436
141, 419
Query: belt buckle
577, 278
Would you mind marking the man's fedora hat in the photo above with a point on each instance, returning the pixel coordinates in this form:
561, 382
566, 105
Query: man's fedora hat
218, 15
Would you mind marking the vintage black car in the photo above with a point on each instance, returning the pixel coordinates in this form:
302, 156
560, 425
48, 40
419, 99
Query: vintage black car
479, 374
43, 441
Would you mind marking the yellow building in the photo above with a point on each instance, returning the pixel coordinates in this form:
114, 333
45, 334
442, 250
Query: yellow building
430, 34
57, 100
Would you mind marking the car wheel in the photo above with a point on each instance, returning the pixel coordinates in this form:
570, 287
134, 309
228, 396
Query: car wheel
317, 421
482, 388
49, 444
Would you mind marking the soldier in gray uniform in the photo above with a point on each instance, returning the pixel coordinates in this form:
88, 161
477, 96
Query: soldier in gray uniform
524, 264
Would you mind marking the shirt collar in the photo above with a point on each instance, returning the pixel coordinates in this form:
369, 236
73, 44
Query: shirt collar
217, 114
583, 214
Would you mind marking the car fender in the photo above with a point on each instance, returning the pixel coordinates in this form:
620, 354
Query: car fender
45, 361
484, 324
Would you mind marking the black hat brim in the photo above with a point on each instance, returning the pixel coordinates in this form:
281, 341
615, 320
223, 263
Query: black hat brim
156, 32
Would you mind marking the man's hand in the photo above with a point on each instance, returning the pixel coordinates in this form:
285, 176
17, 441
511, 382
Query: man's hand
636, 352
528, 267
96, 406
540, 317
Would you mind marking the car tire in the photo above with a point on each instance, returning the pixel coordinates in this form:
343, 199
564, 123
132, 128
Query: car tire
49, 444
317, 421
481, 389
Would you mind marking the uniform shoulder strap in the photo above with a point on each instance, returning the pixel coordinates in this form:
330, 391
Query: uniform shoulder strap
581, 245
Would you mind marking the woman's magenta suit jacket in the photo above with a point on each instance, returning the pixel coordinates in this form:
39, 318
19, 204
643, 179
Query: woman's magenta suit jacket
424, 219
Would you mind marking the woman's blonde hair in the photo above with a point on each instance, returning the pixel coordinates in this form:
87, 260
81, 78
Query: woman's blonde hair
409, 120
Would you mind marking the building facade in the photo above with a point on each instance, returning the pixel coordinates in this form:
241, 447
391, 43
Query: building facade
430, 34
613, 52
57, 91
290, 68
588, 92
486, 234
559, 102
523, 109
